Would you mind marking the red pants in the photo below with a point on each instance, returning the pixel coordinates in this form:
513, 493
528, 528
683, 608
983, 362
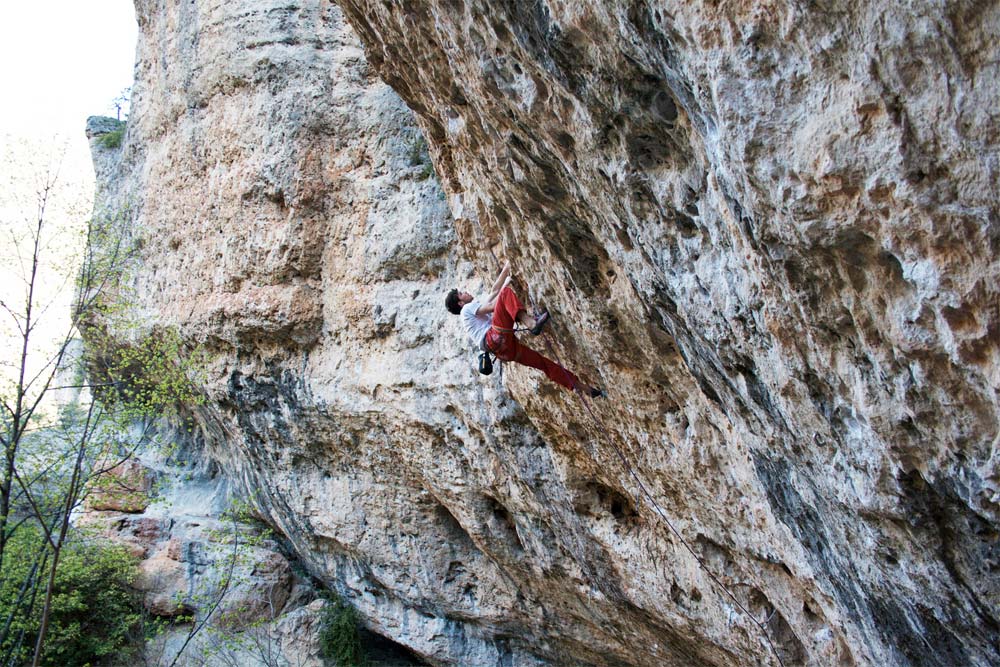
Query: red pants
501, 341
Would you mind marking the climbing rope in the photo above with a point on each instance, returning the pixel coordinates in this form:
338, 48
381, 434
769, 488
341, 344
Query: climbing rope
659, 510
630, 470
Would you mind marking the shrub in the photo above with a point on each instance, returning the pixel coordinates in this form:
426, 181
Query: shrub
339, 638
418, 154
95, 612
113, 139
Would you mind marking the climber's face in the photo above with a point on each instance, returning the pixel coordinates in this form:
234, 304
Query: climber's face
464, 298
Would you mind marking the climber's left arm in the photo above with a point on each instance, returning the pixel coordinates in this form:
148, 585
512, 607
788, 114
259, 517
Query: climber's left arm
499, 283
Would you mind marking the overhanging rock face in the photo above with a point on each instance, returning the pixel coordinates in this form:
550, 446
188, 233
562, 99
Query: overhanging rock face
770, 231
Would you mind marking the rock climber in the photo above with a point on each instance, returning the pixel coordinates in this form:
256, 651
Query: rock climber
490, 320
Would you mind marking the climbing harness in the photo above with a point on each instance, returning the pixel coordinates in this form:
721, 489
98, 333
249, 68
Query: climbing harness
488, 357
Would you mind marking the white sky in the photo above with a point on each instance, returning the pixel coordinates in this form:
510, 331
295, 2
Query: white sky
63, 60
60, 62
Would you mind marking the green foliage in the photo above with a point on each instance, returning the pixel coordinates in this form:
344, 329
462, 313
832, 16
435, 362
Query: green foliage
247, 524
113, 139
95, 613
339, 638
149, 378
56, 455
419, 156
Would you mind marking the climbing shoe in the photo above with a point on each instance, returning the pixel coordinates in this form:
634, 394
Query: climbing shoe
540, 322
596, 392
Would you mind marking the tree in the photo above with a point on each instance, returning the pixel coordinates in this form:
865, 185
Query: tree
95, 612
122, 103
58, 448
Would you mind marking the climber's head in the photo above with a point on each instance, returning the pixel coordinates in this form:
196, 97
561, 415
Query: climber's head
453, 302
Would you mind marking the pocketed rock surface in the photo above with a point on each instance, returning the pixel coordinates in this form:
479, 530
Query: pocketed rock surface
770, 231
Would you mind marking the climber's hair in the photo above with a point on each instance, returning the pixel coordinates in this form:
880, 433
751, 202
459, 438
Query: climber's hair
451, 302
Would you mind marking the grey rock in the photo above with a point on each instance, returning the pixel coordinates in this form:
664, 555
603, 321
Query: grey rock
769, 230
98, 125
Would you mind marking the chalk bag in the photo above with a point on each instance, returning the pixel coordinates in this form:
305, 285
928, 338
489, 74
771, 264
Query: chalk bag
485, 363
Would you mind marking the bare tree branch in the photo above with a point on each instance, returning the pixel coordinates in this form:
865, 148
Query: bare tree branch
14, 316
218, 600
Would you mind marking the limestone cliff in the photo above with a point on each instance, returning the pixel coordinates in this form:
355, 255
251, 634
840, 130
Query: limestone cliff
769, 229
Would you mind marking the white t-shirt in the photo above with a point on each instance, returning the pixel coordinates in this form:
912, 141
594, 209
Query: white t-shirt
476, 325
